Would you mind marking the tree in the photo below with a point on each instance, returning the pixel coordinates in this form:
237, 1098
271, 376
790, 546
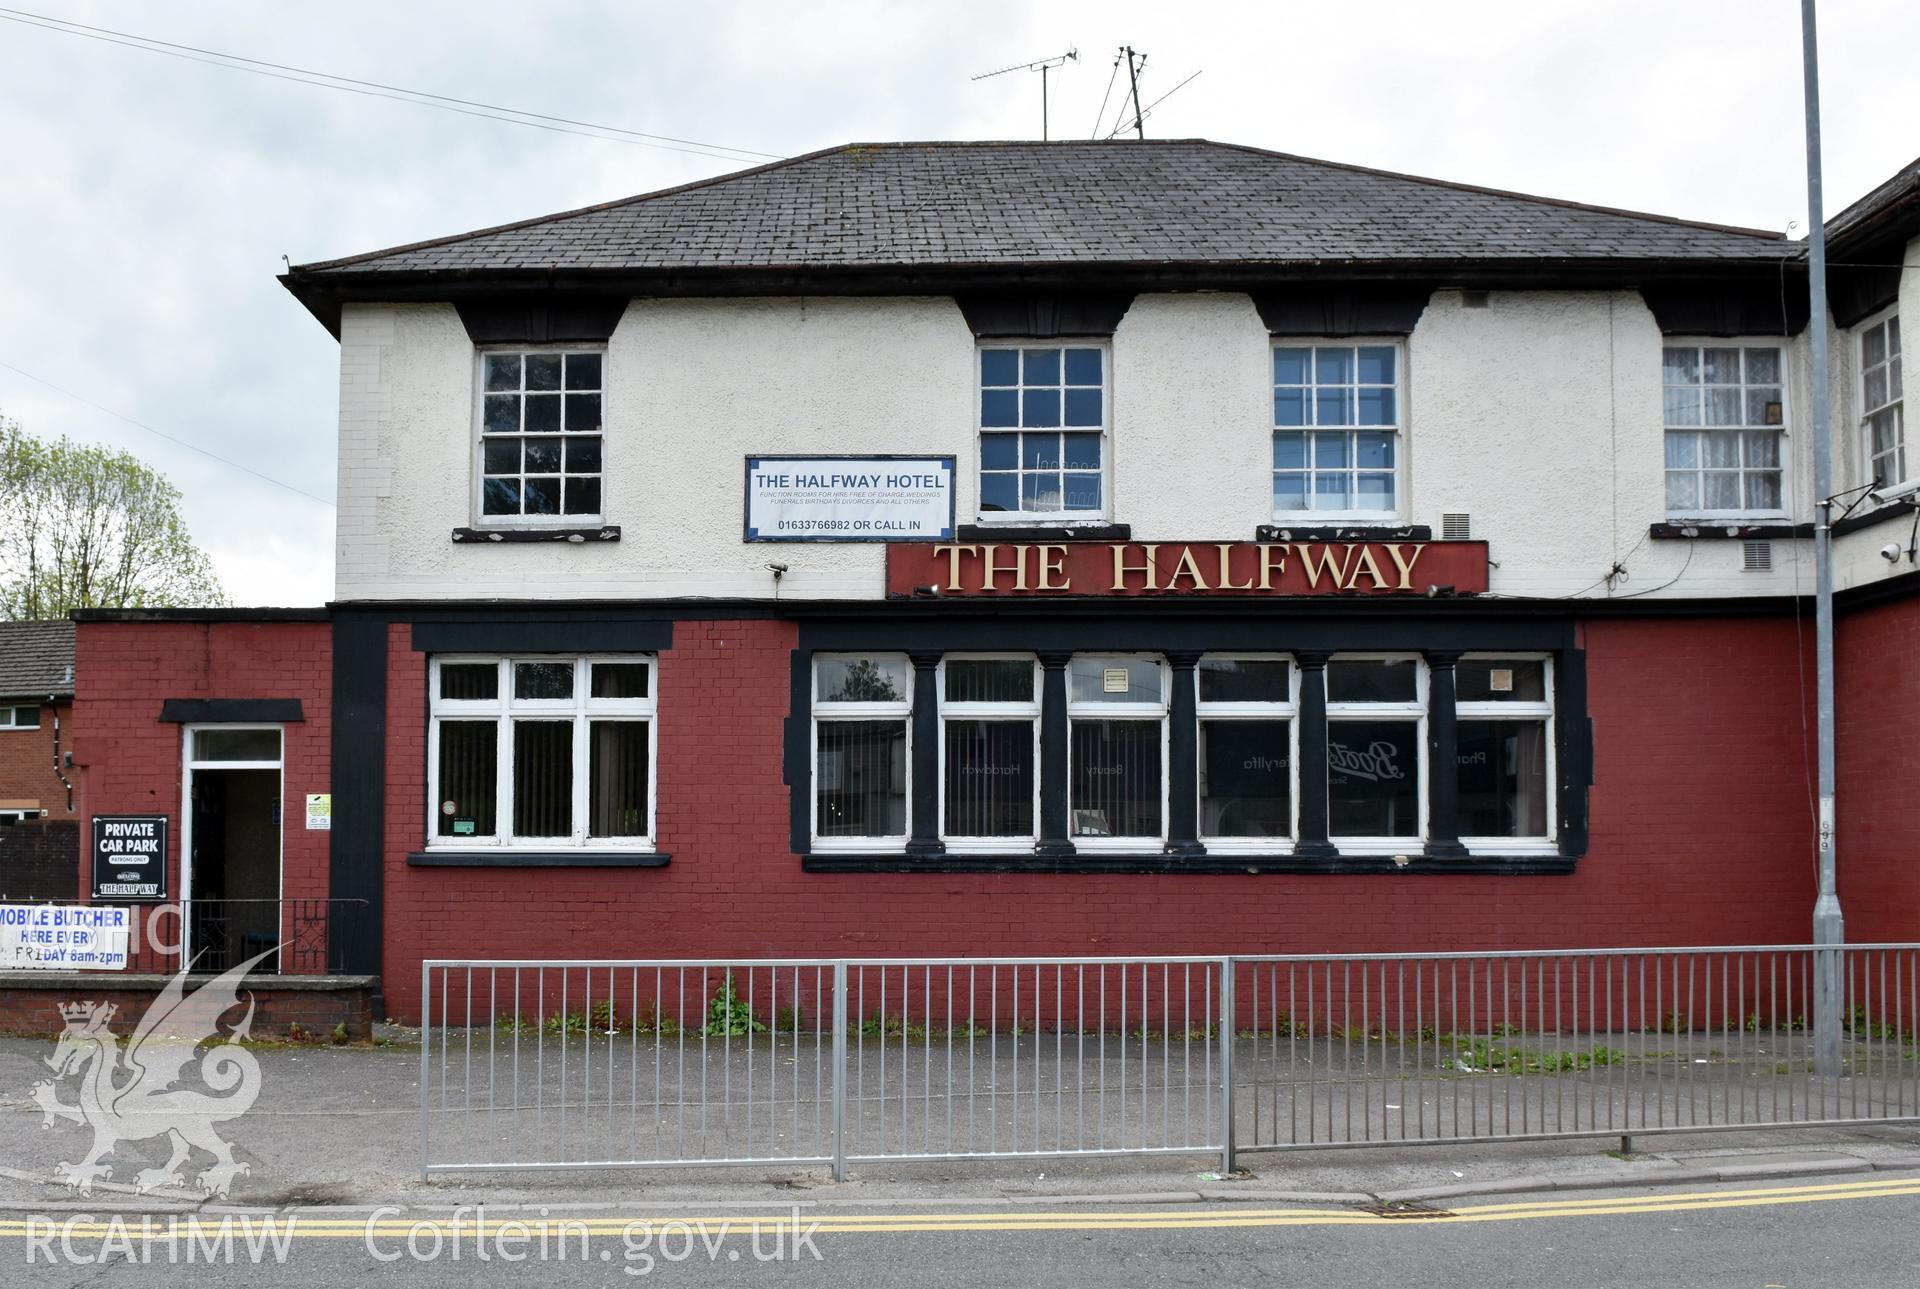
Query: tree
83, 527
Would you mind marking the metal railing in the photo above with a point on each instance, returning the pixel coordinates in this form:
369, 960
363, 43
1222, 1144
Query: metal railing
1388, 1048
834, 1061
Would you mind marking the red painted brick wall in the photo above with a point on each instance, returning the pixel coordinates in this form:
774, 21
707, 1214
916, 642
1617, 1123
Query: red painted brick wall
26, 761
1877, 759
1701, 831
130, 761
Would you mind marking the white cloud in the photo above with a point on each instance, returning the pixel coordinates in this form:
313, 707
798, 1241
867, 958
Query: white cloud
150, 198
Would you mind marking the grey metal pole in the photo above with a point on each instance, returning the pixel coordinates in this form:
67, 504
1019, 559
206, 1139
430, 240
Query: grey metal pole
840, 1071
1829, 928
1227, 1010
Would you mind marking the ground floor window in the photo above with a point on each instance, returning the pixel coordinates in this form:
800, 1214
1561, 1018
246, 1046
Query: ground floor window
542, 751
860, 749
1117, 718
1182, 754
1505, 749
990, 743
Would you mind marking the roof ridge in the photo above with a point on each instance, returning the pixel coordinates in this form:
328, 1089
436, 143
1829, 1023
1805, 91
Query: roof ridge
1562, 203
556, 216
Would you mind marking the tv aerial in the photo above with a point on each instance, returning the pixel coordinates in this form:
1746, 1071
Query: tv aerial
1041, 65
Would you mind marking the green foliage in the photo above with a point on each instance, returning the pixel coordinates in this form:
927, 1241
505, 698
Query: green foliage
82, 527
728, 1014
1479, 1056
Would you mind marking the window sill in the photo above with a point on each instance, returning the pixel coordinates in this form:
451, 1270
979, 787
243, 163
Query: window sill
1029, 528
497, 858
1171, 865
602, 533
1732, 529
1309, 529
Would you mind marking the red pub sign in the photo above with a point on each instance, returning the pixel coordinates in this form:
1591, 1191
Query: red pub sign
1186, 568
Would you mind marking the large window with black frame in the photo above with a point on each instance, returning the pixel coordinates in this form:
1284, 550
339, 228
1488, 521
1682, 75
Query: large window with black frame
1505, 752
1247, 741
1376, 741
539, 752
862, 704
989, 747
1116, 751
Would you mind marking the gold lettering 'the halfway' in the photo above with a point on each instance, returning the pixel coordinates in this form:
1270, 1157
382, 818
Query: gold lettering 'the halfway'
1405, 564
1364, 564
1223, 581
1053, 562
1187, 567
990, 570
953, 554
1147, 570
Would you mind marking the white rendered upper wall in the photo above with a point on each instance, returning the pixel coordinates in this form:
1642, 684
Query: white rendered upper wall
1539, 416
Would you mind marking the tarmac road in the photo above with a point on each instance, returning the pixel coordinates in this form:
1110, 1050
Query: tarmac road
1830, 1234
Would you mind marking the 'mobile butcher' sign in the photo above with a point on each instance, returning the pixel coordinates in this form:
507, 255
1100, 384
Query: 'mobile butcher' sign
1186, 568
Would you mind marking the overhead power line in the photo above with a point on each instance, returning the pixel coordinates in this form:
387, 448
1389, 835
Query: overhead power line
379, 89
180, 442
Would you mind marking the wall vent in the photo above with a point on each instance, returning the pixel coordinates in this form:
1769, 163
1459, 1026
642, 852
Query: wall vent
1456, 528
1756, 557
1476, 299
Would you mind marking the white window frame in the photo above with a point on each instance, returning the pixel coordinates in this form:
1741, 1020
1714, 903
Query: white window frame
1903, 461
994, 711
12, 712
1060, 518
20, 815
1783, 430
1398, 430
504, 710
1346, 712
1095, 710
1289, 711
821, 710
1519, 711
477, 500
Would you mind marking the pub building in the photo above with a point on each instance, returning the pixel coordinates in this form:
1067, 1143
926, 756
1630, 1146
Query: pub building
1060, 548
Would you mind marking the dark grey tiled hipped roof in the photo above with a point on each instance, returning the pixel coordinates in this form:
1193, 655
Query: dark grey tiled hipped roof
36, 659
1002, 205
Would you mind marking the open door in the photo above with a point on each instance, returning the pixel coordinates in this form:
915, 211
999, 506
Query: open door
231, 851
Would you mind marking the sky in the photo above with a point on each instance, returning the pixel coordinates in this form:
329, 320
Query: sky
146, 200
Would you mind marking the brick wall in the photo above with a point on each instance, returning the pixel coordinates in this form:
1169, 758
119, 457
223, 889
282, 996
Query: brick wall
130, 761
1700, 823
26, 761
1877, 758
30, 1004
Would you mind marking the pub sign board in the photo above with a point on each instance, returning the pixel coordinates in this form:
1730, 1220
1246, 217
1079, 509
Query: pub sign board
130, 859
1255, 569
849, 499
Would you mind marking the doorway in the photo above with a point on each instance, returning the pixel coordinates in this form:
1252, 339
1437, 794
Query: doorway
230, 856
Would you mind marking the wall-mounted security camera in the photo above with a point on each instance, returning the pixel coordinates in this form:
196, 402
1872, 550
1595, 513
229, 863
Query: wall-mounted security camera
1894, 491
776, 570
1891, 552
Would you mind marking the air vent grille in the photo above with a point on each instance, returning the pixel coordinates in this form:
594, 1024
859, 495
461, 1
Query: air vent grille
1475, 299
1456, 528
1756, 557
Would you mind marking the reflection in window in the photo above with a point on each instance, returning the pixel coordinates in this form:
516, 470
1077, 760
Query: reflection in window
1336, 417
860, 779
1117, 724
1505, 747
1376, 737
540, 435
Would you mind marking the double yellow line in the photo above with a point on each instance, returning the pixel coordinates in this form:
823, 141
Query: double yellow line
825, 1221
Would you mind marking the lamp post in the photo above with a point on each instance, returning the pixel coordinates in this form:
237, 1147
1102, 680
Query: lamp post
1829, 928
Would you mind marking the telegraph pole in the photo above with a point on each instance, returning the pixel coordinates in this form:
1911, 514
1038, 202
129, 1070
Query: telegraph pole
1829, 928
1133, 79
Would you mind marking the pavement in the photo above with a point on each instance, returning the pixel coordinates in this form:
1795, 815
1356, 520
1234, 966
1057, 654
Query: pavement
339, 1127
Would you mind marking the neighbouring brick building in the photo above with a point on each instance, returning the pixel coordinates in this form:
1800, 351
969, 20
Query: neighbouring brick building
919, 549
39, 835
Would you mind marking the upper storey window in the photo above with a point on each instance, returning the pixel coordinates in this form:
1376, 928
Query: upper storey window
1725, 417
1043, 431
1336, 436
1883, 437
540, 437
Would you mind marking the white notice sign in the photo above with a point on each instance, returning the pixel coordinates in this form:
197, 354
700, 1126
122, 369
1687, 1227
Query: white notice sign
63, 937
849, 499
